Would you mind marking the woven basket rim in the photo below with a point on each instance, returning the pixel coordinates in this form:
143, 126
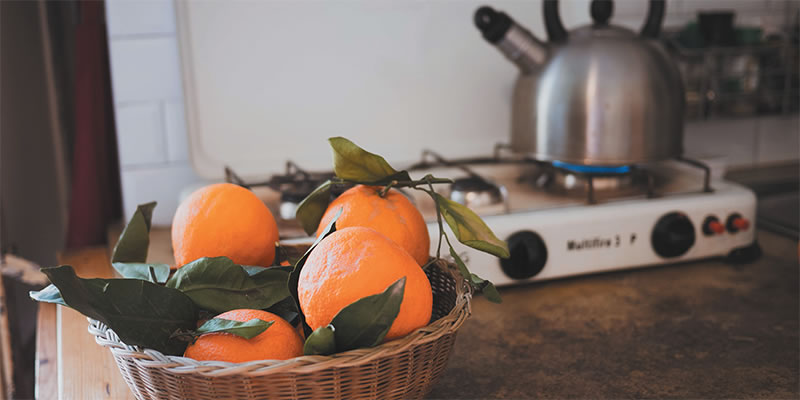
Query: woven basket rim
449, 323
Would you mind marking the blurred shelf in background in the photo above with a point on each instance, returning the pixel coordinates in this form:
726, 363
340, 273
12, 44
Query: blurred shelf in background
752, 72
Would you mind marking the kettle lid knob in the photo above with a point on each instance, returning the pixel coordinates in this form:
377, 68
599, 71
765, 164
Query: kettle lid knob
601, 11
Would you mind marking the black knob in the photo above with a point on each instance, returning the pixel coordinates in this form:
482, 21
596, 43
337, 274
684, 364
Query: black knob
528, 255
601, 11
673, 235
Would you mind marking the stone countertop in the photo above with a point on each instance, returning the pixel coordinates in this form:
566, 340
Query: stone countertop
703, 329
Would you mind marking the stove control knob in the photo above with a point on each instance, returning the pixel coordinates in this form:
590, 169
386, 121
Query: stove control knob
712, 226
736, 223
528, 255
673, 235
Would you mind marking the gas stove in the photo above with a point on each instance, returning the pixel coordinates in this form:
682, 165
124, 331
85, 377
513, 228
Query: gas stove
562, 220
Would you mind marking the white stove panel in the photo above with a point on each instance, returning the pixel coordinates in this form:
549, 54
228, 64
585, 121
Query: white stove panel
614, 235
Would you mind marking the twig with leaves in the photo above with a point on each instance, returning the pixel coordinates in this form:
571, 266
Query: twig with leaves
354, 165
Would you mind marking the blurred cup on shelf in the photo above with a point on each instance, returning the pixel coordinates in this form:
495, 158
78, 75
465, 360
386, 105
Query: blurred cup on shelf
717, 27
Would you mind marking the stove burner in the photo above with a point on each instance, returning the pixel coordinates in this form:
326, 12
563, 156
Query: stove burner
294, 185
577, 182
476, 192
593, 181
473, 190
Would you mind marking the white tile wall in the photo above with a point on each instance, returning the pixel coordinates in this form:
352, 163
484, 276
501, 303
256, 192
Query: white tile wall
146, 68
151, 127
175, 121
140, 130
733, 141
778, 140
138, 17
162, 183
146, 79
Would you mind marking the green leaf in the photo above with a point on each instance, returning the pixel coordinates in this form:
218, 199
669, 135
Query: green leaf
294, 276
469, 228
50, 294
247, 330
255, 269
490, 291
400, 177
364, 323
135, 238
310, 211
487, 288
286, 309
140, 312
484, 286
219, 285
352, 163
462, 267
142, 271
320, 342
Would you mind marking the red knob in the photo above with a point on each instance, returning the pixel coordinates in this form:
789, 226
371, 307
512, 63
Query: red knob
737, 223
712, 226
741, 224
716, 227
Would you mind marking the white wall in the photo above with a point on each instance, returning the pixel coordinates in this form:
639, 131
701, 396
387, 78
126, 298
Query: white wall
149, 103
148, 96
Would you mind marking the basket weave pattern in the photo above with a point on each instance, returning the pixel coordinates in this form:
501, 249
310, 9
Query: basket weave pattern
400, 369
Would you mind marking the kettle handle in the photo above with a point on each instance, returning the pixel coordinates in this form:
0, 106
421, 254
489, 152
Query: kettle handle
655, 16
552, 22
556, 32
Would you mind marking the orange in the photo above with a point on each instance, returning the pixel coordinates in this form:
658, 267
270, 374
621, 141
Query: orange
279, 342
224, 220
392, 215
356, 262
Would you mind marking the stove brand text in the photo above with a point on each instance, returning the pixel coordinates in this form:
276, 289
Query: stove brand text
593, 243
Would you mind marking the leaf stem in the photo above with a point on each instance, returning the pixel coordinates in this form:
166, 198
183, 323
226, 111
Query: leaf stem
429, 178
184, 335
429, 263
447, 239
386, 188
397, 183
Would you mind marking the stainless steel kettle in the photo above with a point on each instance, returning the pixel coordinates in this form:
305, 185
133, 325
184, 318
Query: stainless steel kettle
598, 95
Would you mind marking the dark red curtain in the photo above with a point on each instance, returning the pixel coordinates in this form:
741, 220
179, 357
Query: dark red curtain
95, 196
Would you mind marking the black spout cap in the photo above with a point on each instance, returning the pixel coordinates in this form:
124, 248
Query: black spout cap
492, 24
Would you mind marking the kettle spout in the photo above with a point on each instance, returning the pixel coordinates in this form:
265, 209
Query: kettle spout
515, 42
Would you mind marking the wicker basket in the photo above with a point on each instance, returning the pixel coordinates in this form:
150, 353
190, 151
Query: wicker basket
401, 369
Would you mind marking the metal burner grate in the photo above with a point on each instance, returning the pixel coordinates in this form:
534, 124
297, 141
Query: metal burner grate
296, 183
636, 173
292, 177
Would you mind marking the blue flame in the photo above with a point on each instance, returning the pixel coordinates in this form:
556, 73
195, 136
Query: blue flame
592, 169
